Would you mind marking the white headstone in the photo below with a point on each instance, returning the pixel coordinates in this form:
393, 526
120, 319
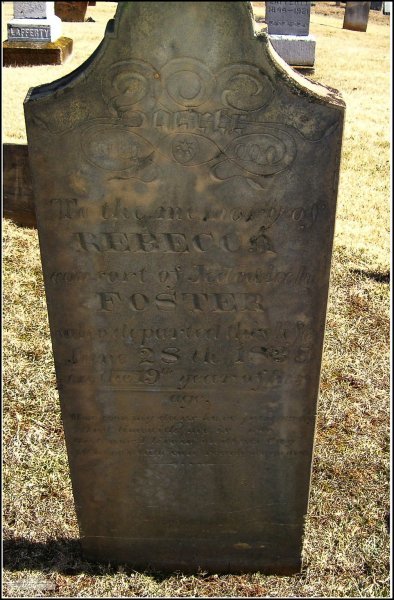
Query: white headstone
33, 10
288, 31
34, 22
288, 18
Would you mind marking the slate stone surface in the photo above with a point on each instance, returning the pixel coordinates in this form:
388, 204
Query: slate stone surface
288, 18
185, 183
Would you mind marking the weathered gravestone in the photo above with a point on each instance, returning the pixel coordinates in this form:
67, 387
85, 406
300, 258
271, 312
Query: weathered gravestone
185, 182
356, 16
34, 36
71, 11
288, 30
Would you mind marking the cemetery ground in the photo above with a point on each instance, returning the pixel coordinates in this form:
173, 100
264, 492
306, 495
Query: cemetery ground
346, 545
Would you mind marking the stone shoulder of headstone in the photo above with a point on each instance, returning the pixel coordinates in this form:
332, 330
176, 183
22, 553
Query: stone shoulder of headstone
112, 38
185, 180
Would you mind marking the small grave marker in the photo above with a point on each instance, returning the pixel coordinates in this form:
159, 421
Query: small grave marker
356, 16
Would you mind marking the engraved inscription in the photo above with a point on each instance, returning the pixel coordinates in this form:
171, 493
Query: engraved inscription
187, 82
168, 242
245, 87
126, 83
116, 148
188, 436
288, 17
190, 149
28, 33
263, 153
145, 99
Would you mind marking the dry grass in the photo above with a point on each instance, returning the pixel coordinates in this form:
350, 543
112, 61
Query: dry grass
346, 549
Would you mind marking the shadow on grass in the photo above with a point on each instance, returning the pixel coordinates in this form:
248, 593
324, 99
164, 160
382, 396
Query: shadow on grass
375, 275
63, 556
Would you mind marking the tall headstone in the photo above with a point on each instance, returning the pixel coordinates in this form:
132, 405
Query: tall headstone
288, 30
185, 181
34, 36
387, 8
356, 16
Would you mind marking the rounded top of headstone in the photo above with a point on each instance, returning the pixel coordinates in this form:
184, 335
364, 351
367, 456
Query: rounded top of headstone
198, 39
208, 31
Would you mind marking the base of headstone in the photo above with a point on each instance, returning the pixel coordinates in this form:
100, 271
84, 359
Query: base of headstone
189, 556
18, 197
303, 70
29, 54
294, 49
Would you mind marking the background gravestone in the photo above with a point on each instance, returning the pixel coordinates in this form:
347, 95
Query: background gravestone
288, 30
288, 18
186, 284
71, 11
356, 16
34, 22
34, 36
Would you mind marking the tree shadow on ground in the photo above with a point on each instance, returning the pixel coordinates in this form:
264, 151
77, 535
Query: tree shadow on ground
63, 556
375, 275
